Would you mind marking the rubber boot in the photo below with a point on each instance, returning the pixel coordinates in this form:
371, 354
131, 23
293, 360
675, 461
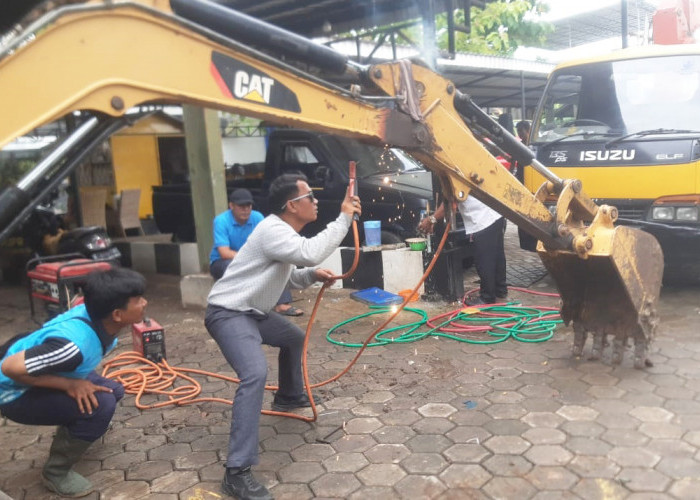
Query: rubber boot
57, 475
580, 336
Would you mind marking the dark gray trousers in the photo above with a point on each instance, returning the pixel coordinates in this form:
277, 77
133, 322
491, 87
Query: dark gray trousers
240, 337
490, 261
42, 406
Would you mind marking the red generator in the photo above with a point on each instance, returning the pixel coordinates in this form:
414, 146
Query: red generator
56, 280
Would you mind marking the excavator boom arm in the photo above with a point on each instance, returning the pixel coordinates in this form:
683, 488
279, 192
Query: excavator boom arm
92, 56
107, 56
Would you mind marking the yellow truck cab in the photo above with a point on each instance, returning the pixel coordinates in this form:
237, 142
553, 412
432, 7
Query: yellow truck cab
627, 125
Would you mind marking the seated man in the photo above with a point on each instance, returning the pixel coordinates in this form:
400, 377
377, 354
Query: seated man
231, 230
47, 377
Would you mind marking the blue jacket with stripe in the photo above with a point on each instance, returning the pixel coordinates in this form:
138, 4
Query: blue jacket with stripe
75, 326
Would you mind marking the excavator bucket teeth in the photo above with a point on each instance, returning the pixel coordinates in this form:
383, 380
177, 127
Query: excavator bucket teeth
614, 291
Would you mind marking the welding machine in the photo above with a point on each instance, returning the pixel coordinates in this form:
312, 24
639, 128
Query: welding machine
56, 280
148, 339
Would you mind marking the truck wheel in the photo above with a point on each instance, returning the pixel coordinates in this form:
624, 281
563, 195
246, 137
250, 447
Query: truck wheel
389, 238
467, 262
681, 275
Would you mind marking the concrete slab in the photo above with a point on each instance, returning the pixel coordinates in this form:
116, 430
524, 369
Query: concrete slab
194, 289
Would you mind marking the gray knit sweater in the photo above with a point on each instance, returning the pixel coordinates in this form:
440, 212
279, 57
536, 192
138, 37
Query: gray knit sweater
267, 261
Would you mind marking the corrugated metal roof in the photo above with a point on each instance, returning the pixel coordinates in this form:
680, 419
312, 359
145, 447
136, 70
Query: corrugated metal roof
492, 81
497, 81
601, 24
308, 17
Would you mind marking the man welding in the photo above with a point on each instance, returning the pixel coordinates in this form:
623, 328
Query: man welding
240, 315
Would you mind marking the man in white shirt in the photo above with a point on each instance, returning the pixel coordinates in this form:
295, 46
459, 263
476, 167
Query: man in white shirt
486, 228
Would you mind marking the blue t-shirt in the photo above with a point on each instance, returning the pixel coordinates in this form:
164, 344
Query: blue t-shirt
229, 233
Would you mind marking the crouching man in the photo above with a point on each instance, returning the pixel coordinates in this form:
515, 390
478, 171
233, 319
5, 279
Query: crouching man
47, 377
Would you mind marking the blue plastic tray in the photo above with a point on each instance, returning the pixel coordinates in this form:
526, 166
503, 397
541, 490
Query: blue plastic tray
376, 297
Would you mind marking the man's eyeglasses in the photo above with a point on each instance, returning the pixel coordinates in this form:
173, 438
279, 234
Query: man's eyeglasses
309, 195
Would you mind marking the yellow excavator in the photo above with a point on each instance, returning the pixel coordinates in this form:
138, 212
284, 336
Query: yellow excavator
104, 57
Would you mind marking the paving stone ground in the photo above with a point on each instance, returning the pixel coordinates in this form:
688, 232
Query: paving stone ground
436, 418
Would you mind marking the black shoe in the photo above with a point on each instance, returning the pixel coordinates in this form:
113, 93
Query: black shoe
285, 403
241, 483
477, 301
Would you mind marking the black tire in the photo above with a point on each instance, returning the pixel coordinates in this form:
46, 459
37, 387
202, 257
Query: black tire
681, 275
467, 262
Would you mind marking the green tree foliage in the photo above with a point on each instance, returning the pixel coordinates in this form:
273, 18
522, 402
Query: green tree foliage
13, 169
499, 28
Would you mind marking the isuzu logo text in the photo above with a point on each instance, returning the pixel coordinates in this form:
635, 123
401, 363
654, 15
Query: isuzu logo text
608, 155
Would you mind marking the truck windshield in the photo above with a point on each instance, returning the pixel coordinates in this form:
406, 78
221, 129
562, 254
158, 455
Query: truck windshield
619, 98
373, 160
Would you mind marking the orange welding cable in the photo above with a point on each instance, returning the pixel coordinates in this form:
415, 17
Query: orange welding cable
151, 379
186, 394
307, 335
391, 317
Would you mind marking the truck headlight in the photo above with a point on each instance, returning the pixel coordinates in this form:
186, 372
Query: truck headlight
687, 214
662, 213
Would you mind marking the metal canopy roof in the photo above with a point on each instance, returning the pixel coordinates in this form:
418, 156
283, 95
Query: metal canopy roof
491, 81
497, 82
308, 17
601, 24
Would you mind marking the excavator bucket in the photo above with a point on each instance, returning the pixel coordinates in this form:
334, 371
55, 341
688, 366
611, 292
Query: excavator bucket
613, 291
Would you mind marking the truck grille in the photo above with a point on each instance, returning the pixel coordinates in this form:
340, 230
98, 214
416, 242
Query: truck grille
634, 213
628, 209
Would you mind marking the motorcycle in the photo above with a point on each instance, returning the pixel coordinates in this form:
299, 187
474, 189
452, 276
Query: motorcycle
58, 268
44, 235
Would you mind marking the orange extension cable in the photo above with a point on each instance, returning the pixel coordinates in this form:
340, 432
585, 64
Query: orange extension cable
156, 378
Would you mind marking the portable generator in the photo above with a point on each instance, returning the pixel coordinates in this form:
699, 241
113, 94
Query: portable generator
56, 280
148, 339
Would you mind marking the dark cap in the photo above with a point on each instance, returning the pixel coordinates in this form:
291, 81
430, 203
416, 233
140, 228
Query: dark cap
241, 197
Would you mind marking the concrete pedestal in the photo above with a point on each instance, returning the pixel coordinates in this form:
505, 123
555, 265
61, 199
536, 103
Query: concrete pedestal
157, 254
392, 269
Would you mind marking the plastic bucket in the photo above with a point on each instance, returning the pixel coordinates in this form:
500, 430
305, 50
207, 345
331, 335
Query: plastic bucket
373, 233
417, 243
